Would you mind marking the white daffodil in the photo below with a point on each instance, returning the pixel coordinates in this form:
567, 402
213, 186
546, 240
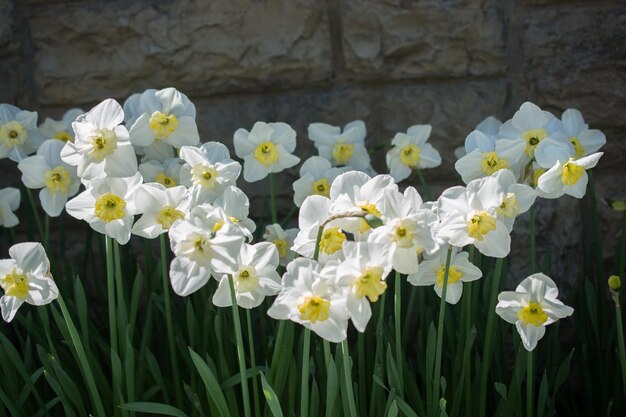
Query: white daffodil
341, 148
490, 127
101, 146
163, 116
518, 198
356, 191
585, 141
201, 253
408, 229
9, 202
60, 129
236, 208
166, 173
531, 307
283, 239
410, 152
161, 208
486, 155
255, 278
565, 175
25, 278
310, 297
46, 170
316, 177
532, 125
432, 272
19, 135
468, 216
208, 170
267, 148
363, 273
108, 205
315, 210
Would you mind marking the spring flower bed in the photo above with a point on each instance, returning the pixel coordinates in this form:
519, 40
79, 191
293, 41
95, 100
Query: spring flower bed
383, 301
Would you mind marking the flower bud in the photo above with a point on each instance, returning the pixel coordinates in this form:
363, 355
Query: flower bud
615, 282
617, 205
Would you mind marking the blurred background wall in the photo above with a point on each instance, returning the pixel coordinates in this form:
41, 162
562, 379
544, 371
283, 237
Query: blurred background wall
392, 63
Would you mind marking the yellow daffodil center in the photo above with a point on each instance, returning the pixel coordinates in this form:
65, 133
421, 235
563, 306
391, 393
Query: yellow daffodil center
162, 125
369, 208
63, 136
110, 207
370, 284
491, 163
58, 180
219, 224
480, 224
509, 206
314, 308
167, 216
342, 152
103, 143
580, 149
321, 187
532, 138
205, 175
332, 240
536, 174
266, 153
454, 276
12, 134
15, 285
246, 280
164, 180
403, 234
281, 245
410, 155
571, 173
532, 314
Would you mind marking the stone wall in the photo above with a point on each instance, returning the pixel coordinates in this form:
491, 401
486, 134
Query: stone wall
392, 63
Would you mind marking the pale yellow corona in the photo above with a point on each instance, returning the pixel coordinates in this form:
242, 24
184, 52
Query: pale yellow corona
63, 136
369, 208
410, 155
454, 275
16, 285
571, 173
509, 206
12, 134
167, 216
204, 175
480, 224
342, 152
536, 174
370, 284
532, 138
492, 163
103, 143
321, 187
163, 179
162, 125
246, 280
281, 245
58, 180
578, 147
110, 207
532, 314
266, 153
314, 308
332, 240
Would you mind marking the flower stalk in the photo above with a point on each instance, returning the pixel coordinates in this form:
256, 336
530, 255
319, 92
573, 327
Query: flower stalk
440, 325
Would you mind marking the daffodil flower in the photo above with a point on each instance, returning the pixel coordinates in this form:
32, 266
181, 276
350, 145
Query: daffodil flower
60, 130
46, 170
432, 272
267, 148
585, 141
310, 297
19, 135
363, 273
235, 208
531, 307
160, 208
9, 202
283, 239
163, 116
345, 147
101, 146
490, 126
566, 175
166, 173
25, 278
208, 170
316, 177
201, 253
255, 278
410, 152
518, 198
108, 205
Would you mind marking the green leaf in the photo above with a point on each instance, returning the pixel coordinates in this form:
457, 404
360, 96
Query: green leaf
153, 408
563, 371
331, 387
501, 389
211, 383
270, 396
542, 399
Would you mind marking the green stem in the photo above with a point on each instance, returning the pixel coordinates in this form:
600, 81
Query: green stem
529, 384
304, 385
168, 320
620, 249
255, 385
46, 232
533, 249
111, 293
347, 372
398, 324
427, 193
620, 341
280, 335
495, 285
440, 325
273, 198
121, 302
468, 328
33, 206
240, 348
